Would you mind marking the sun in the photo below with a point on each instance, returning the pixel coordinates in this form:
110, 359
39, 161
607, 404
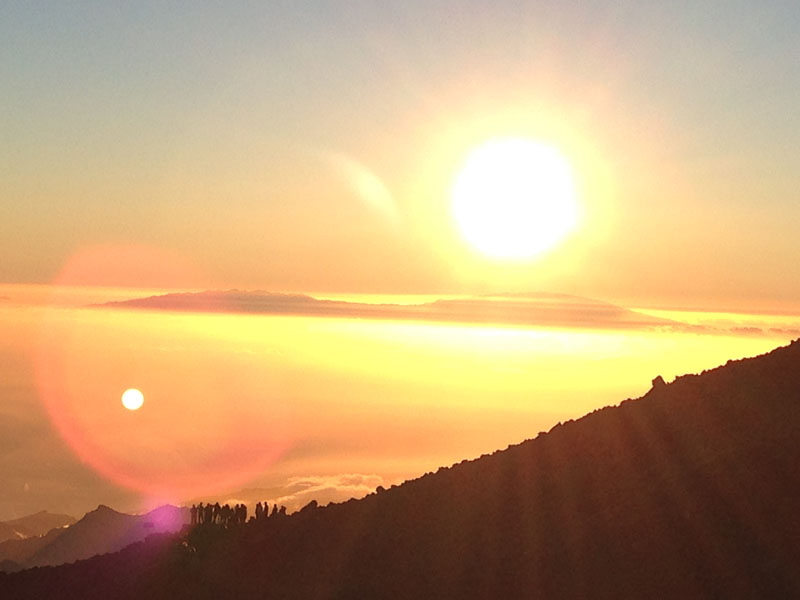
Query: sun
514, 198
132, 399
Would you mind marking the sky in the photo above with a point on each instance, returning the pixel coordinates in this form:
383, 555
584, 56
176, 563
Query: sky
319, 148
312, 146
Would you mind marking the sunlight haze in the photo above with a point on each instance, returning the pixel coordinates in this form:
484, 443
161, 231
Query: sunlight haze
248, 244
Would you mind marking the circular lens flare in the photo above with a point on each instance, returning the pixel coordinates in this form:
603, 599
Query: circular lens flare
215, 419
132, 399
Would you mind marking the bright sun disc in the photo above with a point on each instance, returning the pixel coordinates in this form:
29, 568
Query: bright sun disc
132, 399
514, 198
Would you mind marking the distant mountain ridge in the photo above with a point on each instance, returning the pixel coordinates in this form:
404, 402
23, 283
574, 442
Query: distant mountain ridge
32, 525
543, 309
100, 531
688, 492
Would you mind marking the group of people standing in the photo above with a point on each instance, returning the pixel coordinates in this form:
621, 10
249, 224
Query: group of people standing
227, 515
262, 511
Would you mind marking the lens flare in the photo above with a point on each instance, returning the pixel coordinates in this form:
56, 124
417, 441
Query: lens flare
215, 419
132, 399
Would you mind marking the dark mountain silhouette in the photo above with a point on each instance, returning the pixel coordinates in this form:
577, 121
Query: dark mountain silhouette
541, 309
691, 491
32, 525
101, 531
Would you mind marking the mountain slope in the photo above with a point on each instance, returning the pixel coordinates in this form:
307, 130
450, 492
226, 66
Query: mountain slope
18, 552
689, 492
32, 525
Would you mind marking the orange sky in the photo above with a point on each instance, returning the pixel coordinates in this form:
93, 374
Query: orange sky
313, 147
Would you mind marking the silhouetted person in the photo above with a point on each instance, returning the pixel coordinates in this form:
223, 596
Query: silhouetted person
282, 511
259, 511
208, 513
274, 512
193, 513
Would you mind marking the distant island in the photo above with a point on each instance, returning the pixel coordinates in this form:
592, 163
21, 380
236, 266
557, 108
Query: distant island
690, 491
534, 309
